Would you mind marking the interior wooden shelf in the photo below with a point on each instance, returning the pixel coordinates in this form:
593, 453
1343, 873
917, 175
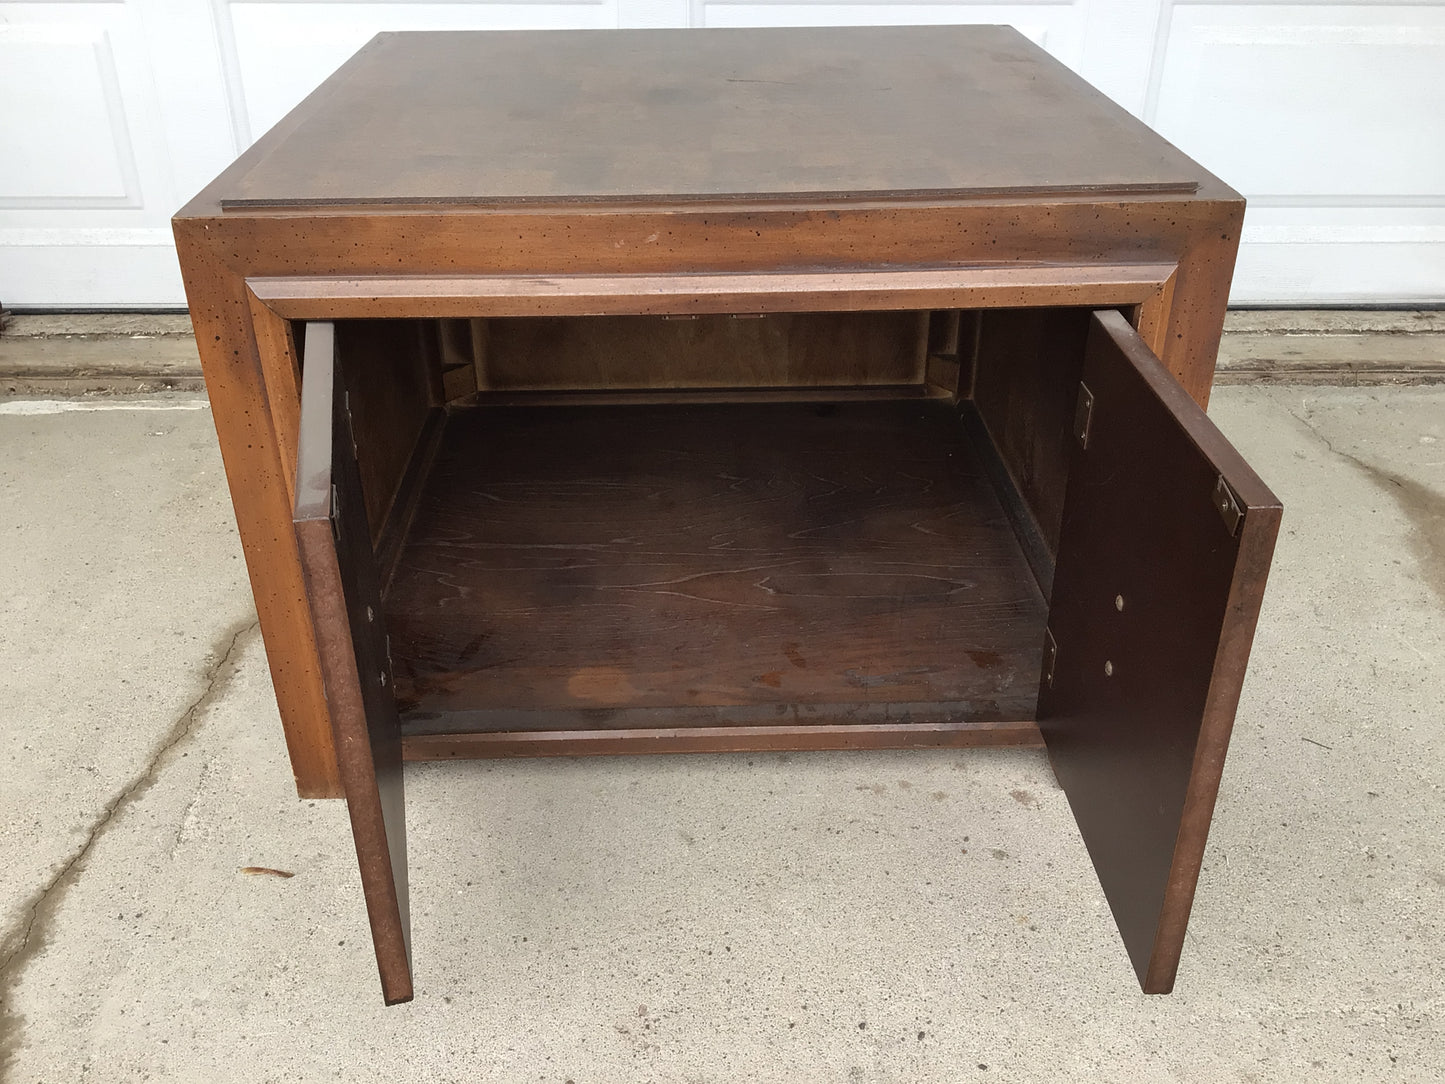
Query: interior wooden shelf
711, 565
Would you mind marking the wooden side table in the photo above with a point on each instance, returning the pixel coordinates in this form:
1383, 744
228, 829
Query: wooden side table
663, 391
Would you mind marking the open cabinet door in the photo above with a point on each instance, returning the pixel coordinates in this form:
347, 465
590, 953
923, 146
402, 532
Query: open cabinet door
344, 593
1166, 542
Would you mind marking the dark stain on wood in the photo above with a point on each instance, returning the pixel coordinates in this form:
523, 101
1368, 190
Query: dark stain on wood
389, 399
707, 351
1026, 386
665, 577
546, 116
1138, 714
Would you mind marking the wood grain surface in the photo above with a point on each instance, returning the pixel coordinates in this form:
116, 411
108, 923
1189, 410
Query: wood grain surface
617, 116
987, 285
711, 565
706, 351
387, 380
1025, 385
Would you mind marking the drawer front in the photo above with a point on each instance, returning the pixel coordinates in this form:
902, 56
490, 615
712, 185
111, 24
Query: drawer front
344, 596
1165, 545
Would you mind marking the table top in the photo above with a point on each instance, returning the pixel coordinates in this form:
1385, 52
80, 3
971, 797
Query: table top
647, 116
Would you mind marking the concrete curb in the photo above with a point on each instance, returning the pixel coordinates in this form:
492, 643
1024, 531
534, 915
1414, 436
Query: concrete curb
125, 353
1332, 347
109, 325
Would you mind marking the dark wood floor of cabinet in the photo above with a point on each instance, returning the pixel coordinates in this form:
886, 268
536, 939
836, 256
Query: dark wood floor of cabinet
710, 564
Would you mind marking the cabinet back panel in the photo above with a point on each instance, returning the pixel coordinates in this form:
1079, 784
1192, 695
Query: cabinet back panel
714, 351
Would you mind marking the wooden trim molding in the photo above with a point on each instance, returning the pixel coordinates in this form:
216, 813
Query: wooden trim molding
272, 301
993, 286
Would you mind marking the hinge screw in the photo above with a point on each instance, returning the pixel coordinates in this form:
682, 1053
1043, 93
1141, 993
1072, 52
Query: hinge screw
1051, 657
1083, 414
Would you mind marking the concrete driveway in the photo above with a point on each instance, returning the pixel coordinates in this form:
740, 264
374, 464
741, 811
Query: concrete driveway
908, 916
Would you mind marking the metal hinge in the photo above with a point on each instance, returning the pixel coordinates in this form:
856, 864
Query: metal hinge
335, 513
350, 426
1083, 414
1051, 657
1227, 505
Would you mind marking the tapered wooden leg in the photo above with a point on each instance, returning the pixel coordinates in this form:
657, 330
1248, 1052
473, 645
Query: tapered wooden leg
345, 596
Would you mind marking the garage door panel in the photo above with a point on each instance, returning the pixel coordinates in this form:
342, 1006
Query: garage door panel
277, 53
79, 127
1055, 27
1329, 117
1341, 255
1304, 101
63, 74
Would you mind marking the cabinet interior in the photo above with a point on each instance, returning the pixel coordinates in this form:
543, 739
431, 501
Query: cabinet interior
636, 523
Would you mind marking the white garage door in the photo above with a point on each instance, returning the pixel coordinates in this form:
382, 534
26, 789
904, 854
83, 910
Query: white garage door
1329, 117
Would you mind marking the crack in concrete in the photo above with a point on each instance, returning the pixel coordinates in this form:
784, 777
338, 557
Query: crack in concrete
1421, 505
23, 941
